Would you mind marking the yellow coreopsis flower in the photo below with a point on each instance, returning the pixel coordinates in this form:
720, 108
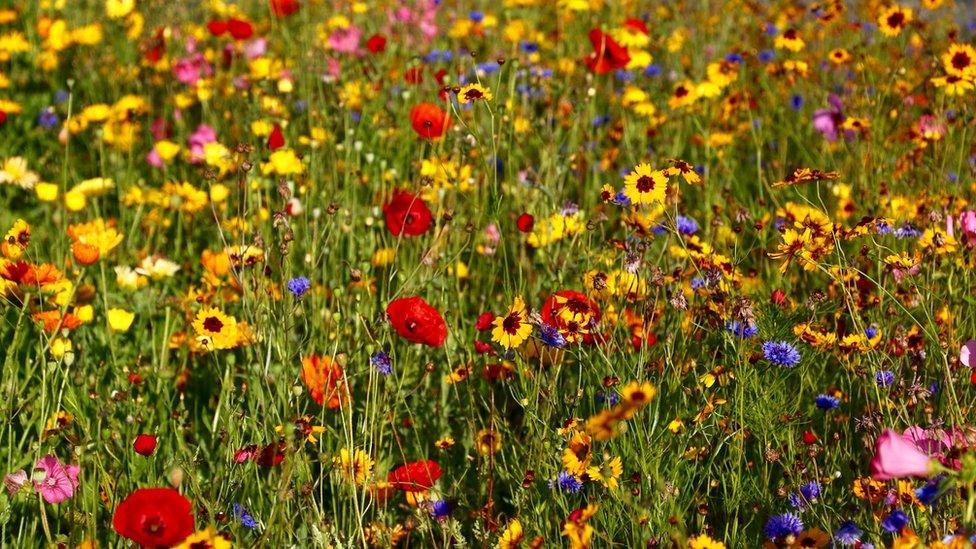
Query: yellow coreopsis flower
645, 185
513, 328
117, 9
120, 320
215, 329
208, 538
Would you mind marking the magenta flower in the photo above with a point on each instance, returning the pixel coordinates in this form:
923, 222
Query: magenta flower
967, 354
827, 121
346, 40
895, 457
15, 481
967, 222
54, 480
201, 136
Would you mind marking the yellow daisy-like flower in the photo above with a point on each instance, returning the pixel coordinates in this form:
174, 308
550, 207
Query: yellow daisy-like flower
205, 539
513, 328
215, 330
356, 467
474, 92
117, 9
892, 20
488, 441
283, 162
960, 60
513, 536
702, 541
953, 85
645, 185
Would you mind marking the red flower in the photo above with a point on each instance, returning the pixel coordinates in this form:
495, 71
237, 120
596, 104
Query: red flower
407, 214
217, 27
154, 517
239, 28
484, 321
414, 75
429, 120
637, 25
607, 54
276, 140
3, 117
416, 321
145, 445
416, 476
525, 222
376, 43
284, 8
271, 455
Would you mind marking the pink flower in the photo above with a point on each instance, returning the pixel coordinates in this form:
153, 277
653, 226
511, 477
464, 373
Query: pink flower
153, 158
346, 40
190, 69
895, 457
201, 136
54, 480
15, 481
967, 221
256, 48
967, 354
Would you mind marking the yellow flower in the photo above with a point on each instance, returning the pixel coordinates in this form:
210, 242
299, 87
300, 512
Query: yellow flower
892, 20
357, 468
474, 92
14, 171
46, 192
205, 539
98, 232
61, 347
645, 185
166, 149
120, 320
789, 40
513, 536
488, 441
702, 541
16, 240
215, 330
117, 9
282, 162
513, 328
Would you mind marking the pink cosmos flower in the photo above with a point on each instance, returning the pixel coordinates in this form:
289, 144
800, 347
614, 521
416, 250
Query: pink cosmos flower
54, 480
967, 222
895, 457
190, 69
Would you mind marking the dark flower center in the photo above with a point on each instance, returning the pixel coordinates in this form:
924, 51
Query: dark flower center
896, 19
473, 94
408, 219
511, 323
960, 60
645, 184
213, 324
154, 526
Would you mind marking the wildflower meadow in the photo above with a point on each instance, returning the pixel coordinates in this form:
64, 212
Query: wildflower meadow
686, 274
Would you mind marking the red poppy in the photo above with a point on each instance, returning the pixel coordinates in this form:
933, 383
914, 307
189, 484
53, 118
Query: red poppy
239, 28
525, 222
429, 120
637, 25
414, 75
607, 54
574, 302
326, 380
3, 117
277, 139
271, 455
217, 27
376, 43
154, 517
145, 445
284, 8
416, 476
416, 321
484, 321
407, 214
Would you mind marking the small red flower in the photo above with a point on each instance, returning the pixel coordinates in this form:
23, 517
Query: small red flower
407, 214
239, 28
145, 445
217, 27
429, 120
809, 438
416, 476
277, 139
414, 75
483, 348
271, 455
416, 321
284, 8
3, 117
376, 43
525, 222
484, 321
778, 297
154, 517
607, 54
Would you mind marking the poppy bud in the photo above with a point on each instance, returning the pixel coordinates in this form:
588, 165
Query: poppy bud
484, 321
276, 140
376, 44
778, 297
145, 445
525, 223
3, 117
809, 438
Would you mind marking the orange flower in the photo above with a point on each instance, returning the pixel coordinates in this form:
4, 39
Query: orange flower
84, 254
54, 322
325, 380
27, 274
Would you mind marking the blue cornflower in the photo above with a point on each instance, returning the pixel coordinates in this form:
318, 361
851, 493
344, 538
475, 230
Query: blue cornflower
781, 353
698, 283
686, 225
382, 362
796, 102
551, 336
907, 231
61, 96
882, 227
568, 482
47, 119
652, 70
298, 286
440, 509
870, 332
884, 378
245, 518
476, 16
599, 121
742, 330
733, 58
780, 526
488, 67
811, 490
826, 402
607, 398
895, 521
766, 56
659, 229
621, 199
528, 47
848, 534
771, 29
